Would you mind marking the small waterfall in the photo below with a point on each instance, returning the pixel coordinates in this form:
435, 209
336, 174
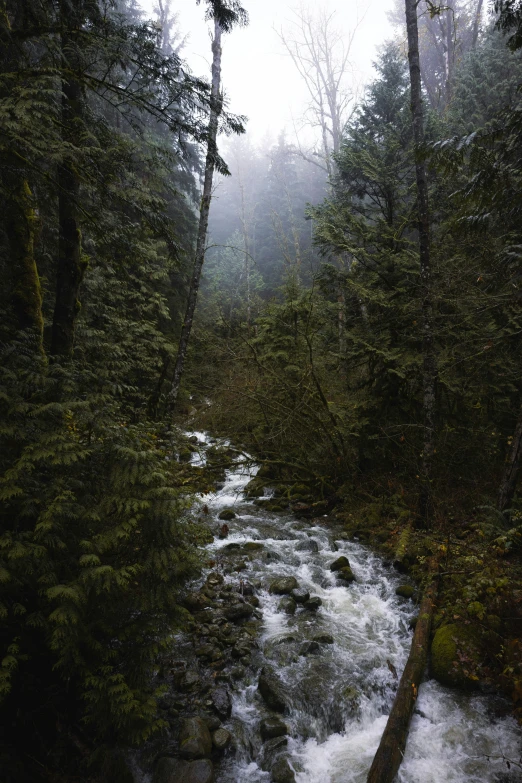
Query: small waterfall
339, 692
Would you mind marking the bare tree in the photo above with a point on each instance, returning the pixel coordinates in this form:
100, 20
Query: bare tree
321, 54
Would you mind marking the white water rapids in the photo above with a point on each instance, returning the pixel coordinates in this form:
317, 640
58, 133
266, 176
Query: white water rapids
339, 698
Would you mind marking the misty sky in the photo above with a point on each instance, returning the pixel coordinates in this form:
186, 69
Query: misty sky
260, 81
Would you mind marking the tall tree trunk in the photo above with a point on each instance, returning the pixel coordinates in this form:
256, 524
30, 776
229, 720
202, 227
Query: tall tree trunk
215, 111
476, 24
341, 325
70, 266
20, 223
429, 362
509, 477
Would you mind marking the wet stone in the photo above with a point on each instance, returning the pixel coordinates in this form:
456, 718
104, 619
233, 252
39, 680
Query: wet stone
323, 638
189, 680
212, 722
246, 588
313, 603
273, 727
287, 605
309, 545
405, 591
282, 772
194, 741
284, 585
221, 702
270, 750
239, 612
272, 690
308, 648
221, 739
346, 574
300, 595
215, 579
227, 514
237, 672
341, 562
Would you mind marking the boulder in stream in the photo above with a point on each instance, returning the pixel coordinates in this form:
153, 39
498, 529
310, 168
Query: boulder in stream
341, 562
300, 595
221, 702
282, 772
287, 605
283, 585
345, 574
455, 653
195, 741
273, 727
405, 591
313, 603
272, 690
308, 648
308, 545
227, 514
221, 739
323, 638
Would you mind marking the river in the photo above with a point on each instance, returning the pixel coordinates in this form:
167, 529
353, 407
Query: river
339, 694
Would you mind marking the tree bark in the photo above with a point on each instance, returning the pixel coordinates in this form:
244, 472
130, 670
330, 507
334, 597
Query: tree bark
429, 361
215, 111
20, 225
509, 478
70, 265
390, 752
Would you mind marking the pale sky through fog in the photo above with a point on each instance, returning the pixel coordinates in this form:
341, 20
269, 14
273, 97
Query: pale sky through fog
259, 79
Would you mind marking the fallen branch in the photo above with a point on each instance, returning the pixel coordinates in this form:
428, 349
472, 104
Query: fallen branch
390, 752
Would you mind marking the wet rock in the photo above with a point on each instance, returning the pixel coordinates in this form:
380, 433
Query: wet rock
169, 770
254, 600
300, 595
227, 514
189, 680
232, 547
270, 751
307, 648
246, 588
240, 651
309, 545
201, 771
237, 672
205, 650
196, 602
215, 579
221, 739
345, 574
287, 605
323, 638
221, 702
195, 741
272, 690
412, 622
239, 612
272, 727
455, 653
212, 722
341, 562
253, 546
282, 772
405, 591
255, 488
284, 585
313, 603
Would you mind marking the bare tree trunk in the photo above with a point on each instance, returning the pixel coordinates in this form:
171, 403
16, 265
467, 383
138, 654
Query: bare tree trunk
509, 477
476, 24
215, 111
70, 265
341, 323
389, 754
429, 362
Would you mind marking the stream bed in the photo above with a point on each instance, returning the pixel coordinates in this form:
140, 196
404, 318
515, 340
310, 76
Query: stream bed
337, 667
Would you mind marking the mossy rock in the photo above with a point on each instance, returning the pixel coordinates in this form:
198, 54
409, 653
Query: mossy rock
455, 655
405, 591
227, 514
255, 488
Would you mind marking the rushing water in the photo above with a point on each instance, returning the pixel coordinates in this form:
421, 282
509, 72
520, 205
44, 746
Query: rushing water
339, 697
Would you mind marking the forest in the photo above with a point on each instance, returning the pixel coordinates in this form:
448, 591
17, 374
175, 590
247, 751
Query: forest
333, 321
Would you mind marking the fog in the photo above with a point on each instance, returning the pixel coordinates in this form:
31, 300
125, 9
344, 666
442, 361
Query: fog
259, 78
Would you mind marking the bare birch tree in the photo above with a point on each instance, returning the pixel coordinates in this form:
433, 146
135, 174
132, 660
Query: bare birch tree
321, 54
